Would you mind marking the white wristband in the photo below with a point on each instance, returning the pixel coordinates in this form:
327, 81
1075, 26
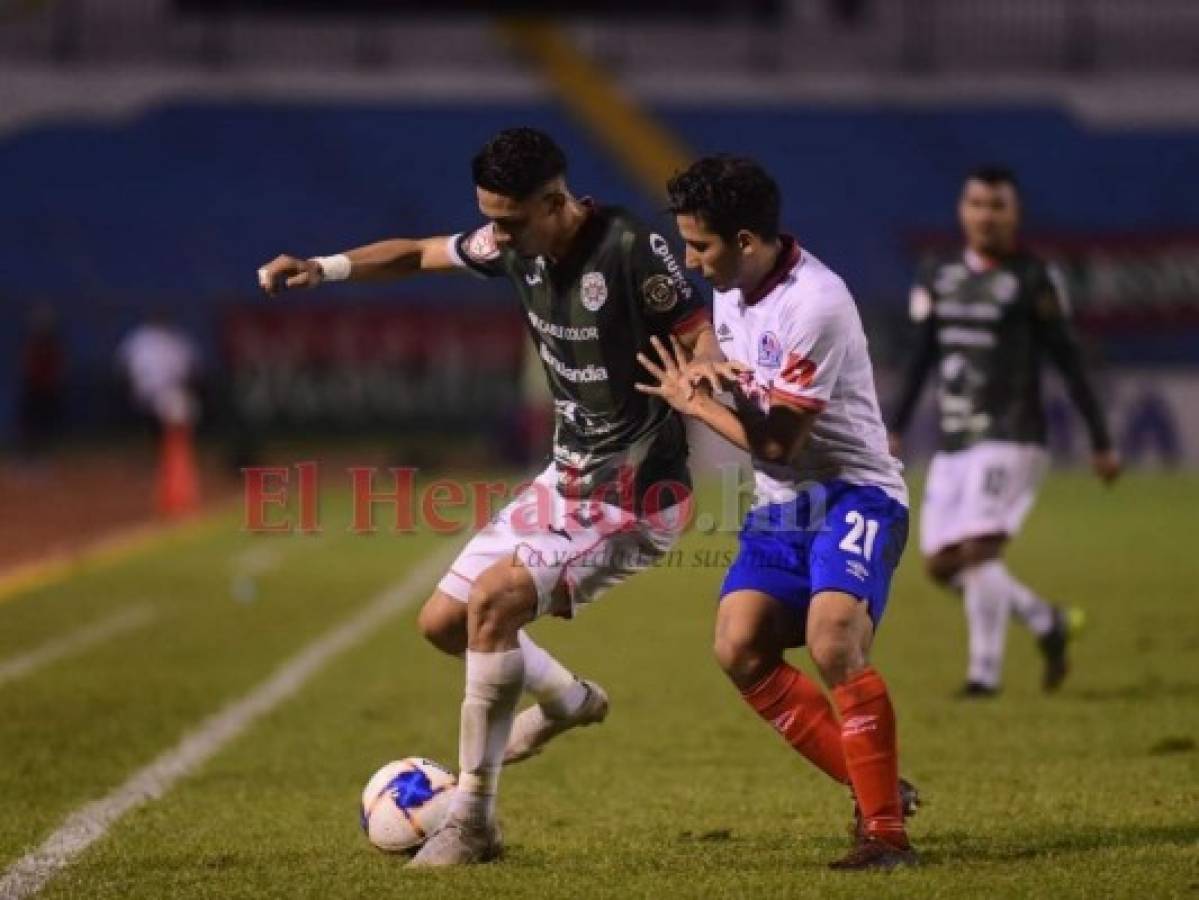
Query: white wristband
334, 268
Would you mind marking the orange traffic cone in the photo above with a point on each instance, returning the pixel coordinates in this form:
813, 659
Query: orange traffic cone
178, 484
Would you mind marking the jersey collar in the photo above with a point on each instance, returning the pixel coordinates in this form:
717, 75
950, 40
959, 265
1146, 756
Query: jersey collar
789, 254
584, 239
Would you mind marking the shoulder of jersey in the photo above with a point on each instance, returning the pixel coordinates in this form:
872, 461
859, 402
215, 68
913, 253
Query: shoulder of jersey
813, 284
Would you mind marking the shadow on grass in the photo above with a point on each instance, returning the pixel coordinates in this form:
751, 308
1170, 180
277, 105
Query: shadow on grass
959, 846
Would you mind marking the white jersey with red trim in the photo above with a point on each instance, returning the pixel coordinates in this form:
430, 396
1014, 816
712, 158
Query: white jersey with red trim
802, 336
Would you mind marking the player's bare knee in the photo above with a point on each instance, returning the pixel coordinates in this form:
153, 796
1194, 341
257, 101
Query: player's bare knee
836, 651
980, 550
442, 622
942, 568
742, 660
499, 604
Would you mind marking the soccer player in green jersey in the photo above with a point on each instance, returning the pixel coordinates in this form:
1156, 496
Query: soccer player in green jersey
988, 315
595, 286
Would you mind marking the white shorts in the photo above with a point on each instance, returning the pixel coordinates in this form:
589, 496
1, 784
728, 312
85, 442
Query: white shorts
988, 488
574, 549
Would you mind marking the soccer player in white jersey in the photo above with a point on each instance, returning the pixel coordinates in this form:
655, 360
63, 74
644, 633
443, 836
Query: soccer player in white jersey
830, 517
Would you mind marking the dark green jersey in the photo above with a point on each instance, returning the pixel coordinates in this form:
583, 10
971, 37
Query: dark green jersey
988, 327
589, 314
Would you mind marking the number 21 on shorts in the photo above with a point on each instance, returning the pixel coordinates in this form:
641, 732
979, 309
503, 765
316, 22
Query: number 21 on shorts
862, 532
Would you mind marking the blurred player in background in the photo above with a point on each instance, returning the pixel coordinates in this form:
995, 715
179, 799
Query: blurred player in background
595, 284
987, 317
830, 516
161, 367
42, 383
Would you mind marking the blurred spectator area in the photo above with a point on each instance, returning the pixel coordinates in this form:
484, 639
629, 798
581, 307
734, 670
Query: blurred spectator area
155, 152
921, 36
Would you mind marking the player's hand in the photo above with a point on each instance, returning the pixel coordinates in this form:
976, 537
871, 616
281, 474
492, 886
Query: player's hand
289, 273
715, 376
895, 443
1107, 465
670, 371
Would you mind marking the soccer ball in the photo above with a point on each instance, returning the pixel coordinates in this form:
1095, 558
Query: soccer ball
405, 802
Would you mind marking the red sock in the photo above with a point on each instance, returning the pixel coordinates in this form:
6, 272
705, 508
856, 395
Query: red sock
798, 710
872, 753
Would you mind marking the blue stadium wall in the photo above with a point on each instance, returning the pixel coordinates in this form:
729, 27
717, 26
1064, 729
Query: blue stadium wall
176, 208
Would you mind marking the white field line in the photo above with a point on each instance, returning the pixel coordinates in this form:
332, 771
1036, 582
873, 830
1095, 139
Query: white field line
90, 822
77, 641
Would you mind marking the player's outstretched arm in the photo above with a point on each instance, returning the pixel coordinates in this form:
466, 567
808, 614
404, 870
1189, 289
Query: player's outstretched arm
774, 436
389, 259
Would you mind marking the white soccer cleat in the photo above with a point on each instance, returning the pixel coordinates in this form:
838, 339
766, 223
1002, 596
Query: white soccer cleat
458, 843
534, 728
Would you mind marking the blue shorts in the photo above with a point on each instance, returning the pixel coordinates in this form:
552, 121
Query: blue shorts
835, 537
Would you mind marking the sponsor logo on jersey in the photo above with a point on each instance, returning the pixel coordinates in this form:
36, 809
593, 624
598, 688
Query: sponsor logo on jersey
564, 332
585, 375
857, 569
583, 422
593, 290
659, 246
724, 333
950, 278
1004, 287
481, 246
770, 351
660, 293
532, 279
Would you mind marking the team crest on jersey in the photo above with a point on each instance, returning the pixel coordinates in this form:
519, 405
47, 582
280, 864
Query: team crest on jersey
593, 290
1005, 286
659, 293
481, 245
770, 351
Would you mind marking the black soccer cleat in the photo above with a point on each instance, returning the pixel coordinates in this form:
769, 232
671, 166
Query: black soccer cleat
976, 690
1053, 644
873, 853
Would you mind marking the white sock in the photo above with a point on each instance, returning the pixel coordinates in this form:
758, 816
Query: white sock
1032, 610
493, 686
987, 608
550, 682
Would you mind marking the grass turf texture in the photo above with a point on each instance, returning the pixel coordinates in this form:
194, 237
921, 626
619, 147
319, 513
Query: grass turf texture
683, 792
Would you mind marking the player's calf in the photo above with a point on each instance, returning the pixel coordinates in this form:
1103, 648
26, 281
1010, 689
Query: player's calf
752, 632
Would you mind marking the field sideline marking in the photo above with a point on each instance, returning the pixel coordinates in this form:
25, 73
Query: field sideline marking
128, 619
90, 822
115, 548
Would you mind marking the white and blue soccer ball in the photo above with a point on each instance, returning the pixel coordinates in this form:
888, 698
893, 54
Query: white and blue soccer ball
405, 802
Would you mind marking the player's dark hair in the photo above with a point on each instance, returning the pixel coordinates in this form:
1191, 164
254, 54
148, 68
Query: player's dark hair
517, 161
728, 193
994, 176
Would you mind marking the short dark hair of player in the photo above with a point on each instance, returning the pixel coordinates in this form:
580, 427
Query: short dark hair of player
729, 194
517, 161
994, 176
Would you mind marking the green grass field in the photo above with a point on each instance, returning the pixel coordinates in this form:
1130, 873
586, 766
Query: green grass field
683, 792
